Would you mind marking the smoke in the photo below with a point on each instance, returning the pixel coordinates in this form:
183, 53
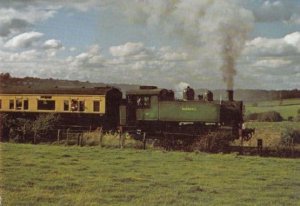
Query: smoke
212, 31
179, 89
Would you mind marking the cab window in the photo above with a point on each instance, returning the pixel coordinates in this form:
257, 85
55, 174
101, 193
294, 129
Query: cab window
143, 101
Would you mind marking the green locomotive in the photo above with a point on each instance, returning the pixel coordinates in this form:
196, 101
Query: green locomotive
156, 111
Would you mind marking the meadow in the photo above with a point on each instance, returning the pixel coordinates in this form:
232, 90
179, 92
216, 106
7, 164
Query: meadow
271, 132
287, 107
72, 175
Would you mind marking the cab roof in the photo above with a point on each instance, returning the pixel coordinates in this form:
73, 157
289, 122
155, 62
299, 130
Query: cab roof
155, 91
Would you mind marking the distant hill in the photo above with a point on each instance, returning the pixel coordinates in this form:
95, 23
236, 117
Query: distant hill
246, 95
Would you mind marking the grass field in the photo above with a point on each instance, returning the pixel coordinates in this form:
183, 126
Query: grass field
270, 132
287, 108
61, 175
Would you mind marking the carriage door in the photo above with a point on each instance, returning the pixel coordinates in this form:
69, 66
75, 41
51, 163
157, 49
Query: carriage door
131, 109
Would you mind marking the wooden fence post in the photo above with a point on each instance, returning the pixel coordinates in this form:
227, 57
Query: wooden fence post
259, 146
68, 136
58, 135
79, 140
100, 137
242, 145
144, 140
24, 133
121, 137
34, 137
293, 147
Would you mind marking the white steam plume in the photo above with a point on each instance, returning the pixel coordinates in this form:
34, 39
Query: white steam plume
213, 31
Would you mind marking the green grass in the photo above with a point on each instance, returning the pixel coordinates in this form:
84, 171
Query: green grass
287, 108
61, 175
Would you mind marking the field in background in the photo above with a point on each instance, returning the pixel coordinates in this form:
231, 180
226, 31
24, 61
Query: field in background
287, 107
71, 175
270, 132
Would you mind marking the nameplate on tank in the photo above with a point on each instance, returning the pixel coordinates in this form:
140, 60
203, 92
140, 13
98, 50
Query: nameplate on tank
188, 109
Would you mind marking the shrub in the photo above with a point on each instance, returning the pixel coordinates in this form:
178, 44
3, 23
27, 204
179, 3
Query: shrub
290, 136
271, 116
22, 129
44, 124
213, 142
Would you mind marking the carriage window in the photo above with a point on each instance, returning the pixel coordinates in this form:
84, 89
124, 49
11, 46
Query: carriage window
143, 101
66, 105
96, 106
25, 104
46, 105
81, 106
11, 104
18, 104
74, 105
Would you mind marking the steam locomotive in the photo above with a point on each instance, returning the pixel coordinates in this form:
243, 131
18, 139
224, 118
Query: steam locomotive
150, 110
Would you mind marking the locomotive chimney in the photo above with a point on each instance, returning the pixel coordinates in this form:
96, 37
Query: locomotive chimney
230, 95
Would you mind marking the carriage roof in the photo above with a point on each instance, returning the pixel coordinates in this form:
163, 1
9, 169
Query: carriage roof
58, 90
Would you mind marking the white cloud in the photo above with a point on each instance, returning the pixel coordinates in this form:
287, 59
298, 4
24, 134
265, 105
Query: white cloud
260, 46
128, 49
89, 59
24, 40
52, 44
170, 55
272, 63
293, 39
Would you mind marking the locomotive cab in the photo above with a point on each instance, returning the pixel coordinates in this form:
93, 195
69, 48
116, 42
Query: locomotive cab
142, 104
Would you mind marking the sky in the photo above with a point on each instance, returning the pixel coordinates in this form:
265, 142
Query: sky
239, 44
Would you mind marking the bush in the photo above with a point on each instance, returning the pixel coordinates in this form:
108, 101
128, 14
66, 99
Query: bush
44, 124
23, 129
213, 142
271, 116
290, 136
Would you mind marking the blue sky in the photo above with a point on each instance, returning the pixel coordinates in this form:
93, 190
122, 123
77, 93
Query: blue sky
168, 43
